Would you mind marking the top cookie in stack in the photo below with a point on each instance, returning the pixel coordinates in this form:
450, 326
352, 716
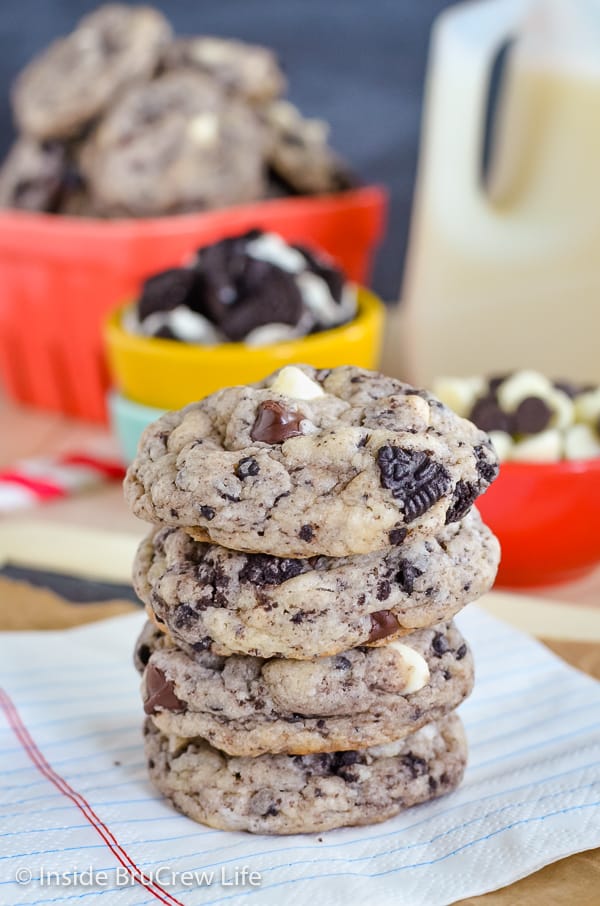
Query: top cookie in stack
309, 463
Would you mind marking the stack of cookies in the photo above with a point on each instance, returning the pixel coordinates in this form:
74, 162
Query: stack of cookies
314, 536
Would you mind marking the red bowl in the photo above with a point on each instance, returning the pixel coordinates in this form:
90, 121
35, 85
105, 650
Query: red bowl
61, 276
546, 516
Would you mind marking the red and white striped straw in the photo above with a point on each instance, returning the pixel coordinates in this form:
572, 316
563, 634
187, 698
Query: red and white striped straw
40, 480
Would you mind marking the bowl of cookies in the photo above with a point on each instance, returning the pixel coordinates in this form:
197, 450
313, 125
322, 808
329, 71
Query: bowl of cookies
134, 147
236, 307
544, 505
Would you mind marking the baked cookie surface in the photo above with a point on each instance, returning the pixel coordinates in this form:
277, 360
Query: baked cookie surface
248, 706
308, 462
294, 794
249, 70
75, 79
299, 153
230, 602
177, 143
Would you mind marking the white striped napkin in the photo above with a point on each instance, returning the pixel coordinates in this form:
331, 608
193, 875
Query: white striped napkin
82, 826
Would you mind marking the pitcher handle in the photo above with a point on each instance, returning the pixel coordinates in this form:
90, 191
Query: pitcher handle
465, 43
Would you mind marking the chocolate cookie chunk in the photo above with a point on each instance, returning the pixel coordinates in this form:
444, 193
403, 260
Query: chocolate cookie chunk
363, 697
76, 78
294, 794
367, 457
178, 143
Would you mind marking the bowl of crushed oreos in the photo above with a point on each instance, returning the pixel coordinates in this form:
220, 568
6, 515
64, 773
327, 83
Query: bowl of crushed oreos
235, 309
544, 504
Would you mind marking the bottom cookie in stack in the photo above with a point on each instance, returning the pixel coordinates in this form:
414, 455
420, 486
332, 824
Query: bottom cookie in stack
293, 794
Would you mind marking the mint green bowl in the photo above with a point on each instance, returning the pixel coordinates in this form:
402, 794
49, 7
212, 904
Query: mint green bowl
128, 420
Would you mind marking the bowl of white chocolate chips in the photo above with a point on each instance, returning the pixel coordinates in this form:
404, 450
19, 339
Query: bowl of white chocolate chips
544, 504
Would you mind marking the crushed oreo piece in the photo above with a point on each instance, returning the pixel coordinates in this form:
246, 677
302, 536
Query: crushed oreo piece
262, 569
247, 466
383, 590
143, 654
406, 575
440, 644
413, 477
417, 766
166, 291
488, 470
342, 663
397, 536
465, 495
306, 532
207, 512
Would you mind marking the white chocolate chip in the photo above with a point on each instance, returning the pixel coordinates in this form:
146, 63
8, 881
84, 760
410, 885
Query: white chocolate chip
519, 386
502, 443
415, 667
204, 128
563, 409
587, 407
388, 749
292, 381
581, 442
419, 406
543, 447
427, 732
272, 248
267, 334
459, 394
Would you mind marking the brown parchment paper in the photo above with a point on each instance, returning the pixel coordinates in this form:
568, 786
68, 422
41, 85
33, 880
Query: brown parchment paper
575, 880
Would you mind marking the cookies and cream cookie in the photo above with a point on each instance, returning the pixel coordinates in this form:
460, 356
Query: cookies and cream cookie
72, 82
306, 462
232, 602
249, 706
178, 143
295, 794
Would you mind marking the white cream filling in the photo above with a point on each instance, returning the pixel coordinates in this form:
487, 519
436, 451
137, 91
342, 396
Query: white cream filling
185, 324
318, 299
272, 248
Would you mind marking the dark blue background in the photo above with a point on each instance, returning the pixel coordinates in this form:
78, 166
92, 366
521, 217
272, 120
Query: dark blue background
359, 64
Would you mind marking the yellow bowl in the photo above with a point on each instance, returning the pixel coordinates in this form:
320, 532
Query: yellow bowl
168, 374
